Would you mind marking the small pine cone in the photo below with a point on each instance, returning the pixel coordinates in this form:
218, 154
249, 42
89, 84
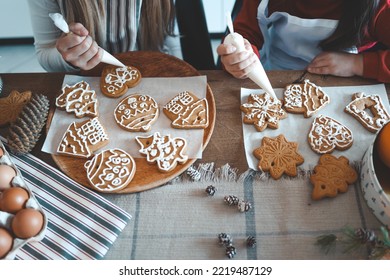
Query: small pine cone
193, 173
230, 252
244, 206
225, 239
231, 200
210, 190
251, 242
365, 235
24, 133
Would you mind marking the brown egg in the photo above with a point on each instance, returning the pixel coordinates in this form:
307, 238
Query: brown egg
6, 242
13, 199
7, 173
27, 223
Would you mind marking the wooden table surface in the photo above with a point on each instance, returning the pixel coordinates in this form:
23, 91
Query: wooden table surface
226, 144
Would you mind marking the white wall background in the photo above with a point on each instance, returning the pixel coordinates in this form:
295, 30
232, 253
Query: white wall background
15, 17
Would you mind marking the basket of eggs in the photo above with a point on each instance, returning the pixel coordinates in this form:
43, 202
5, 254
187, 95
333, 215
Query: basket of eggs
375, 175
22, 219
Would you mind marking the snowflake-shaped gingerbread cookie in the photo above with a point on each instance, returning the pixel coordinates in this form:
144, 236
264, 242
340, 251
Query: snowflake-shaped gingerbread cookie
263, 111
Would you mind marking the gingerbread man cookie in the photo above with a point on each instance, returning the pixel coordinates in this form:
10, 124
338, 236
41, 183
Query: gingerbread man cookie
331, 176
278, 156
263, 111
306, 98
79, 99
360, 103
167, 152
115, 81
136, 112
83, 138
187, 111
12, 105
327, 134
110, 170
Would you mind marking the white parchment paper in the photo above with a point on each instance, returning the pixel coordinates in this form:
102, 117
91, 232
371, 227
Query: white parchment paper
161, 89
296, 128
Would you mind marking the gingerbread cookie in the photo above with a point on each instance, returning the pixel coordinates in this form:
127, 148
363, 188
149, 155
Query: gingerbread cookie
110, 170
360, 103
167, 152
79, 99
331, 176
306, 98
12, 105
327, 134
82, 139
278, 156
187, 111
115, 81
263, 111
136, 112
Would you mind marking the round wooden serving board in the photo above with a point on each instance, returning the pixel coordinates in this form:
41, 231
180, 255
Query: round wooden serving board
147, 176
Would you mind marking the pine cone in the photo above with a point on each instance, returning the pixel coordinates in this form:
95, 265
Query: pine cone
25, 131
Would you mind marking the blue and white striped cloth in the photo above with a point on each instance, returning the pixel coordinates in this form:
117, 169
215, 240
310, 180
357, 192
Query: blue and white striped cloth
82, 224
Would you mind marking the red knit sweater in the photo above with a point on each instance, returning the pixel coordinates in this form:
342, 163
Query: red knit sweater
376, 63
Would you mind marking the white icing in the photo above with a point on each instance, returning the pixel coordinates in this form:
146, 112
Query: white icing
120, 78
165, 151
83, 137
79, 99
373, 103
110, 170
327, 134
136, 112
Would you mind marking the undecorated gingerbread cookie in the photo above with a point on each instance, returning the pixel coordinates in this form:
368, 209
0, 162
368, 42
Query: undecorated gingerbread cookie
12, 105
263, 111
331, 176
115, 81
306, 98
278, 156
79, 99
165, 151
83, 138
136, 112
362, 103
327, 134
187, 111
110, 170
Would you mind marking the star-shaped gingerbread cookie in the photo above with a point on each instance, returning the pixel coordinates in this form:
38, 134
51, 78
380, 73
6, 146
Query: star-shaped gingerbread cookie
278, 156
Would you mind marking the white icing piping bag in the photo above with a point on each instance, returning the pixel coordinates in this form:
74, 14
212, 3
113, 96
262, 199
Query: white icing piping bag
258, 74
60, 22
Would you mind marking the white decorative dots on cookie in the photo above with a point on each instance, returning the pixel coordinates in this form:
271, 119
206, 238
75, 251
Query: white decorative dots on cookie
187, 111
115, 81
327, 134
79, 99
165, 151
136, 112
110, 170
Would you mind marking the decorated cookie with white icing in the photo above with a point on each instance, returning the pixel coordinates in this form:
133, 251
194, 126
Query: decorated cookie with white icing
306, 98
187, 111
361, 104
327, 134
165, 151
115, 81
263, 111
136, 112
110, 170
83, 138
78, 99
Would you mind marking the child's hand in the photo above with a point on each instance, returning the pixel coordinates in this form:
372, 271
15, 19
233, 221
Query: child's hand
337, 64
78, 48
237, 64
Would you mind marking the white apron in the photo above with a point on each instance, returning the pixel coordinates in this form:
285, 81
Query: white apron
290, 42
